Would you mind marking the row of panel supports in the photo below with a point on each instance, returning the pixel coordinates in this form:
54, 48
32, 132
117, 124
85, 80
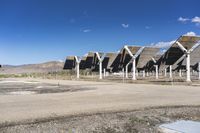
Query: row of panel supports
134, 74
100, 70
134, 69
188, 72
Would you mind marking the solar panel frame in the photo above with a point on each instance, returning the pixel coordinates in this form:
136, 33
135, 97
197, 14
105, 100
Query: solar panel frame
95, 63
125, 57
194, 59
174, 52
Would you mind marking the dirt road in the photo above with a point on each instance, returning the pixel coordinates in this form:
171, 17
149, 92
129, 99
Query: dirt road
89, 97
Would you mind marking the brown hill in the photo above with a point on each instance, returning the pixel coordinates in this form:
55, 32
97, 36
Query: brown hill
52, 66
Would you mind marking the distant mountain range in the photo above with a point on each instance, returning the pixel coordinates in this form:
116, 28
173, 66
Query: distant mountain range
32, 68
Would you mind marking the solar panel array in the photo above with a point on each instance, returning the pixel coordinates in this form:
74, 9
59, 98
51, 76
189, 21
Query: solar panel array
115, 62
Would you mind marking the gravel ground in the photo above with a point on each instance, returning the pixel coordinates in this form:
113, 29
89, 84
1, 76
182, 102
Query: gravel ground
93, 107
9, 88
144, 121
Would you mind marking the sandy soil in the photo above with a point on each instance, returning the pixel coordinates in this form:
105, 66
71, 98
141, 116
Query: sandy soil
97, 97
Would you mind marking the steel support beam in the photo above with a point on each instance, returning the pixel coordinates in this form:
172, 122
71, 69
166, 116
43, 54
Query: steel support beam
143, 73
180, 73
134, 69
123, 73
133, 59
187, 53
188, 79
199, 69
77, 71
100, 65
127, 70
77, 67
170, 71
100, 69
156, 71
165, 73
104, 72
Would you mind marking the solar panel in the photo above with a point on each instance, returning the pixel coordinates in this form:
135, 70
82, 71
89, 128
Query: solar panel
145, 56
89, 60
82, 62
150, 64
196, 67
69, 62
108, 60
95, 63
194, 59
174, 52
187, 41
178, 63
114, 67
125, 57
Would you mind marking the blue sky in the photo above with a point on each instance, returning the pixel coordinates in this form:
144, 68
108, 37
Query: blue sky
33, 31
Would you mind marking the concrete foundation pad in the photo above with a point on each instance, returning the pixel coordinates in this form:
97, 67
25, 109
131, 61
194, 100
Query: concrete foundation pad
181, 126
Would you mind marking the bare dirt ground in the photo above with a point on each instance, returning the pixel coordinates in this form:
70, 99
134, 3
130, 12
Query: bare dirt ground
84, 106
138, 121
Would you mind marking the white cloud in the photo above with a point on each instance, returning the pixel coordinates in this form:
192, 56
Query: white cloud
60, 61
196, 20
162, 45
72, 20
147, 27
183, 20
86, 30
85, 55
125, 25
166, 45
190, 34
85, 14
161, 52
